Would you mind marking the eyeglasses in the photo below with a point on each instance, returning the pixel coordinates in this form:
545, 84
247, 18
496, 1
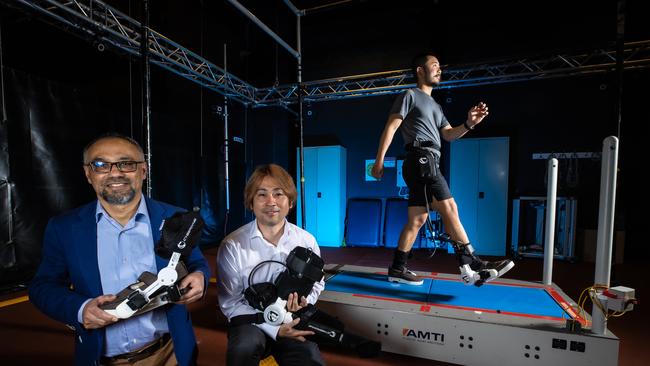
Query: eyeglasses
103, 167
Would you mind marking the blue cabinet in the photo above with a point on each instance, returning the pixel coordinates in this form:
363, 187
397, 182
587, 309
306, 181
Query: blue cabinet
478, 181
325, 193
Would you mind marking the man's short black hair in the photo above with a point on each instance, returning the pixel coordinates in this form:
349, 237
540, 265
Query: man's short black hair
111, 135
419, 60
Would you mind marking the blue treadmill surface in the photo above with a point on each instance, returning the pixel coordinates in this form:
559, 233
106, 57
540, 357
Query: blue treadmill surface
504, 298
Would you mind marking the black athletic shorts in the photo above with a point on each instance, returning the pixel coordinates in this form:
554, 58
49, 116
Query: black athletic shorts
435, 183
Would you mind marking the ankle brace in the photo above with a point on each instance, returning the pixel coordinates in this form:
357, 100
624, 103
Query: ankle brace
399, 259
465, 255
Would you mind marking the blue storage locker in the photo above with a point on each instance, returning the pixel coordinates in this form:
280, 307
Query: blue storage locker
325, 193
395, 219
363, 222
479, 184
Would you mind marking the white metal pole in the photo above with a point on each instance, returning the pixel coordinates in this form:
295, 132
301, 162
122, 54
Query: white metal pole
549, 234
609, 166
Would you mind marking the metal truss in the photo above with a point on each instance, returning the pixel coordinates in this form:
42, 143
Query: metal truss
105, 25
635, 55
101, 23
387, 82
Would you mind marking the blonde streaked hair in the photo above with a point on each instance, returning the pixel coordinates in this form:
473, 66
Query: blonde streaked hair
276, 172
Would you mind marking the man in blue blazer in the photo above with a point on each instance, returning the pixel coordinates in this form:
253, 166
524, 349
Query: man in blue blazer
96, 250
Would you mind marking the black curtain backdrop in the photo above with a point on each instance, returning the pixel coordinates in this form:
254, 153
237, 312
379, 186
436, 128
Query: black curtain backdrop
47, 126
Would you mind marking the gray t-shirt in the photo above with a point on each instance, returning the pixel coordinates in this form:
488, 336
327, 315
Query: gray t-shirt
422, 117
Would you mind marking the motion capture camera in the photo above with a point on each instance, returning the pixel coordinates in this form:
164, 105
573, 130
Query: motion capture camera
179, 235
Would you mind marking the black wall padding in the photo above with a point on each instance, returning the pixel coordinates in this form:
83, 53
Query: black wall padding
7, 249
47, 126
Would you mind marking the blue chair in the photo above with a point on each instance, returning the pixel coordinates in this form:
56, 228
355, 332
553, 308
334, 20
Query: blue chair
363, 222
395, 219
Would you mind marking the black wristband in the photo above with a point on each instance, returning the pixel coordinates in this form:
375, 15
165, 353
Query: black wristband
467, 126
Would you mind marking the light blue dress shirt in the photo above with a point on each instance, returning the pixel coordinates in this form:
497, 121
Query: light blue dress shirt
123, 253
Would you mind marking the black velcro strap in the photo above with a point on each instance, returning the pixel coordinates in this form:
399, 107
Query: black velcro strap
421, 144
298, 265
303, 262
257, 318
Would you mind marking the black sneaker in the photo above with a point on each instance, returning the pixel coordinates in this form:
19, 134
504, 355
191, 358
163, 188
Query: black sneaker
403, 275
481, 272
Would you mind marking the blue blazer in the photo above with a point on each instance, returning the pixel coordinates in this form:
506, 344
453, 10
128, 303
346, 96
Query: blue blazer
69, 275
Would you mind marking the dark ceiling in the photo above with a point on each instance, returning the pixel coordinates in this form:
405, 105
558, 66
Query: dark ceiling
357, 36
